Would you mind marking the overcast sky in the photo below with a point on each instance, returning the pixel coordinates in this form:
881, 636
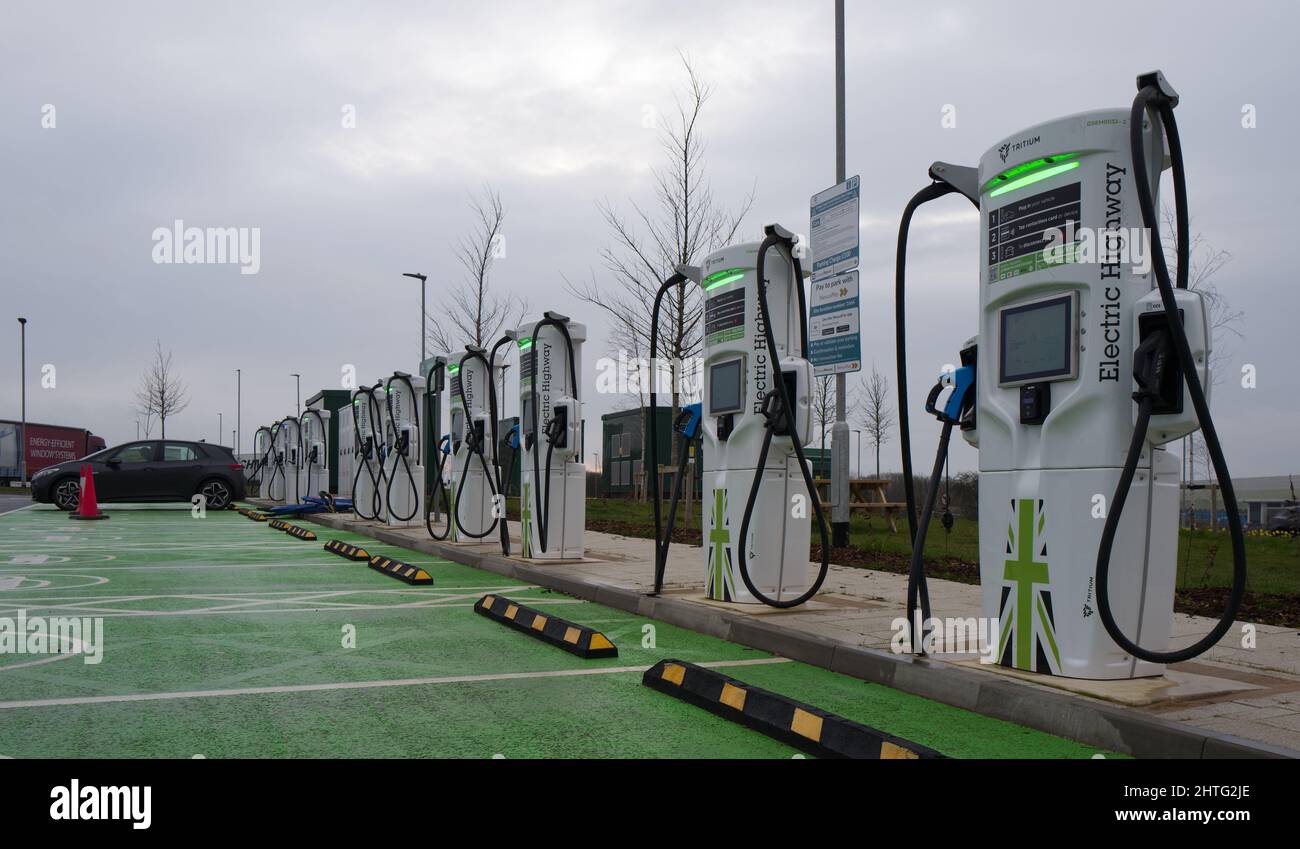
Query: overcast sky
230, 115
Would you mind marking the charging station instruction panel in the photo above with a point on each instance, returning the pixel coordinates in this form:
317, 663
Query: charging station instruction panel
724, 317
834, 331
1029, 233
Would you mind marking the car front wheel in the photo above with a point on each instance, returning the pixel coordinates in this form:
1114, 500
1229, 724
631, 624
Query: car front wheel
66, 494
217, 494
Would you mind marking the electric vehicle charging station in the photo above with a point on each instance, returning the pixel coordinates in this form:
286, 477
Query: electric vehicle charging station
1081, 355
293, 466
347, 449
263, 448
474, 474
754, 418
368, 458
404, 463
553, 479
276, 483
314, 474
438, 498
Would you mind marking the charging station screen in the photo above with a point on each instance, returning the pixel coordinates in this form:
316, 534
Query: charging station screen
724, 388
1036, 340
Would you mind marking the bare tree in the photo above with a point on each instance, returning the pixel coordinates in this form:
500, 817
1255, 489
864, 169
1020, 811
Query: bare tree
684, 222
823, 410
472, 313
877, 416
1204, 262
161, 393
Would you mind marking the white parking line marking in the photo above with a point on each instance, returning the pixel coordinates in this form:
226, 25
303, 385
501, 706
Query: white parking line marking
362, 685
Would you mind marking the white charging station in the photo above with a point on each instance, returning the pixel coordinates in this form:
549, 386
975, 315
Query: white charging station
553, 479
1054, 408
1087, 362
263, 459
404, 464
368, 457
473, 486
276, 483
347, 450
739, 378
293, 467
314, 470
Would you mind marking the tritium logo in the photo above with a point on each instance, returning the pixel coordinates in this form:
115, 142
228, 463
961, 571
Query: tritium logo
75, 802
1011, 147
53, 635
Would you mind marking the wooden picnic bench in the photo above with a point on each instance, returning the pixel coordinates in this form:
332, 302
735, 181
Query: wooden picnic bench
866, 494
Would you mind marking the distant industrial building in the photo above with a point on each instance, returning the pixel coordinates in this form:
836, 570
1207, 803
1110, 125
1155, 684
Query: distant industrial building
1259, 499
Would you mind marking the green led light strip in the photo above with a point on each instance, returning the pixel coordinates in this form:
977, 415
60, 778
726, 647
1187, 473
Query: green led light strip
453, 369
1030, 179
525, 344
1011, 174
722, 278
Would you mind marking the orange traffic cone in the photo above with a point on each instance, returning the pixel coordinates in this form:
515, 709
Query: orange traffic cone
87, 506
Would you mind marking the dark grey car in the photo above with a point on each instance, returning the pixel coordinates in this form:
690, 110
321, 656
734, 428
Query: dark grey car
148, 470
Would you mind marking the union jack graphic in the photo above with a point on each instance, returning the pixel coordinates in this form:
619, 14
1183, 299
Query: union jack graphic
1028, 638
719, 582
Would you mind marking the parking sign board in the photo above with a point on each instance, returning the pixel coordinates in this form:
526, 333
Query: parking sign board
834, 334
833, 230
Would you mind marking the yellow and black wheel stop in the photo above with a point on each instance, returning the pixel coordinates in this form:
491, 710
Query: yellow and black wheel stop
401, 571
570, 636
342, 549
801, 725
301, 533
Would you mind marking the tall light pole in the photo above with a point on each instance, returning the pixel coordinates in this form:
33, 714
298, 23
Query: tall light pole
415, 275
239, 401
840, 430
22, 435
297, 380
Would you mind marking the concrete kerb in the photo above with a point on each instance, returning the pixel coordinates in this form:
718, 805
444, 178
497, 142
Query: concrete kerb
1067, 715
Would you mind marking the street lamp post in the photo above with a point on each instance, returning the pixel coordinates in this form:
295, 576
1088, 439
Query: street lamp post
415, 275
22, 436
297, 380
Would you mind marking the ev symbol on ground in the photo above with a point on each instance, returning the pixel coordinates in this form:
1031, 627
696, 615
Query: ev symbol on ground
198, 506
349, 636
648, 636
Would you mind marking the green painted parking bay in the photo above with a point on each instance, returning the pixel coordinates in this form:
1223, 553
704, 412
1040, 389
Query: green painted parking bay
225, 638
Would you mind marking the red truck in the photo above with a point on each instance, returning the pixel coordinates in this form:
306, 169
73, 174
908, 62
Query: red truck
46, 445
